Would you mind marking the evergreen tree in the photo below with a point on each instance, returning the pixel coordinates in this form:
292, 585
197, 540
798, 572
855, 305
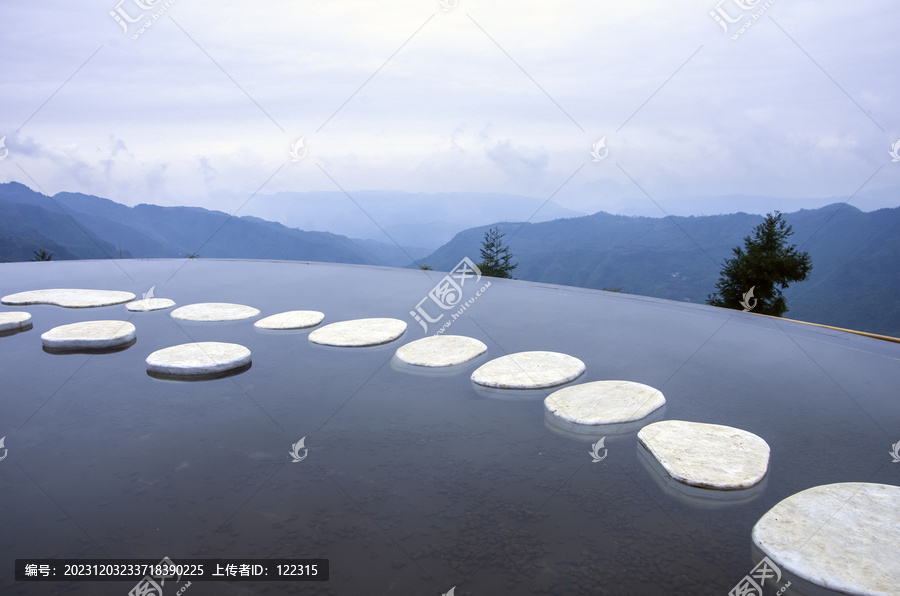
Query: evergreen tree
41, 255
753, 279
496, 260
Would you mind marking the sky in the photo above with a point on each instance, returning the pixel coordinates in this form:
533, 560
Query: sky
686, 107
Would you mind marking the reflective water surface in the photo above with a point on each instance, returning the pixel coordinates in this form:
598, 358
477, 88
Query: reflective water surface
415, 481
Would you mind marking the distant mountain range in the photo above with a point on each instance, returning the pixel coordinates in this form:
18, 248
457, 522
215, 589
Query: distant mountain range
854, 283
421, 220
78, 226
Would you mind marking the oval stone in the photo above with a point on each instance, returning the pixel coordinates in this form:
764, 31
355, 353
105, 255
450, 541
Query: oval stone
359, 333
149, 304
198, 358
14, 321
842, 537
69, 298
529, 370
89, 335
440, 350
604, 402
294, 319
214, 311
707, 455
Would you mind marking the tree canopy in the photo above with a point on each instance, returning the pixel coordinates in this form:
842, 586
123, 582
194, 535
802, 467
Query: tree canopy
496, 260
752, 280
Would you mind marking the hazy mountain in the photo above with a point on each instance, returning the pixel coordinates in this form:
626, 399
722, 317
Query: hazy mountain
72, 225
625, 199
854, 283
426, 220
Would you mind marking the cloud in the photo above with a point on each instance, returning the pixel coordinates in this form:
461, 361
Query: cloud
488, 97
518, 163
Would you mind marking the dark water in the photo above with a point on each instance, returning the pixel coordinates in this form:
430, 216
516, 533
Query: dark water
414, 483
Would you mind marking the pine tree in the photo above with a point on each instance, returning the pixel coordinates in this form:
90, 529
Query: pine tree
41, 255
753, 279
496, 260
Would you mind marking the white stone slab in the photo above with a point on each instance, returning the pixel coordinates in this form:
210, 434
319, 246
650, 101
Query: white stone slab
529, 370
214, 311
294, 319
441, 350
604, 402
148, 304
842, 537
200, 358
68, 298
359, 333
90, 335
589, 433
707, 455
694, 496
12, 321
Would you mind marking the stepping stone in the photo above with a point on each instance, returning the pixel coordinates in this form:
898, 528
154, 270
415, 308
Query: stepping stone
148, 304
295, 319
707, 455
14, 321
359, 333
89, 335
604, 402
529, 370
214, 311
69, 298
694, 496
200, 358
440, 350
842, 537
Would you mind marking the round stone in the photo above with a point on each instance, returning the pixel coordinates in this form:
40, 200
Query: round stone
295, 319
707, 455
148, 304
199, 358
842, 537
359, 333
14, 321
214, 311
68, 298
529, 370
440, 350
604, 402
89, 335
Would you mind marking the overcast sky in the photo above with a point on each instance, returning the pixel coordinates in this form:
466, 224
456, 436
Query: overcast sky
203, 107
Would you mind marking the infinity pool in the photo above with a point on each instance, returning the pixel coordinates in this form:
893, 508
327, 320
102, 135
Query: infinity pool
416, 481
